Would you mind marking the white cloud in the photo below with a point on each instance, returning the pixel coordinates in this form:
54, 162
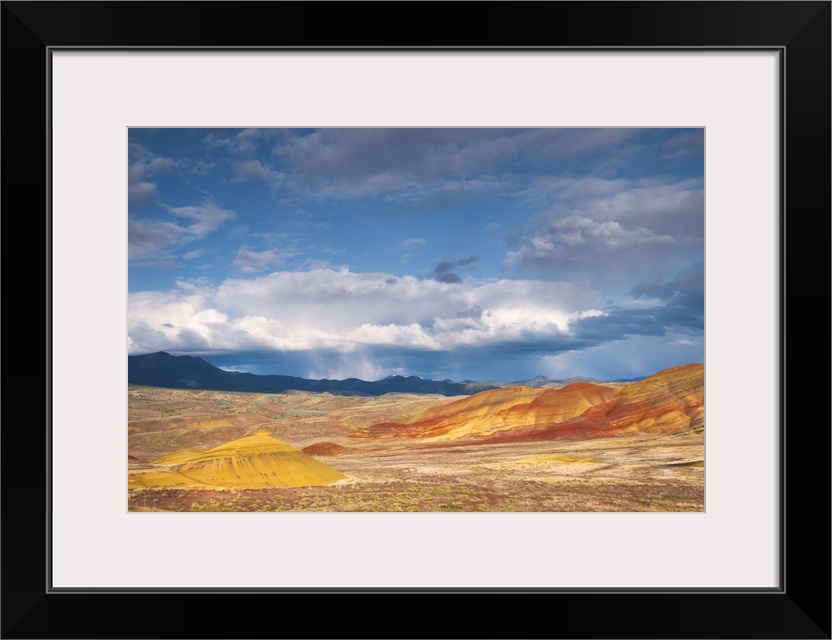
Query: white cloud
141, 194
358, 155
564, 234
248, 261
196, 253
148, 236
683, 145
256, 170
244, 142
343, 312
611, 229
665, 207
412, 243
143, 165
684, 342
203, 168
206, 218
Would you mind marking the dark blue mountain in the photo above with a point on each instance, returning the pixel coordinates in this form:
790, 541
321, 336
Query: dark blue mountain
187, 372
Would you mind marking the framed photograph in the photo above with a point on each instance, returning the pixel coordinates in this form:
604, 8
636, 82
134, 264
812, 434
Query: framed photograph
547, 190
416, 319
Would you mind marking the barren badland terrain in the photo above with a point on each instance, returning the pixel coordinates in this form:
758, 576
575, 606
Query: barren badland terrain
636, 446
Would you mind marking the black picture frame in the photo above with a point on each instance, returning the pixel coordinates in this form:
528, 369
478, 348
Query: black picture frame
799, 608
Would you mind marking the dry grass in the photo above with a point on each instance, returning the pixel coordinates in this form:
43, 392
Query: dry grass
635, 473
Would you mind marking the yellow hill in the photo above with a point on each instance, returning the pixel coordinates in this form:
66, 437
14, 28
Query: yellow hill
178, 457
140, 478
255, 462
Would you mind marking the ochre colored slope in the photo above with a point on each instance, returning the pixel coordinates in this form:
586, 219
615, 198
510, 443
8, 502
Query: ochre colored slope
139, 478
177, 457
671, 401
256, 461
490, 412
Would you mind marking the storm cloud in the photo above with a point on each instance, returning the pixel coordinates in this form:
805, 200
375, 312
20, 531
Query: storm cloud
444, 271
466, 252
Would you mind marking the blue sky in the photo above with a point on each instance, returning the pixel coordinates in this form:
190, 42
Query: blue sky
444, 253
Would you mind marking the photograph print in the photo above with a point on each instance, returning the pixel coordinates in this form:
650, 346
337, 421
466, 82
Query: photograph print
415, 320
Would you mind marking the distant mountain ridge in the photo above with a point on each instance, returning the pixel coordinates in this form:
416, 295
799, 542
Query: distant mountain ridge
161, 369
542, 382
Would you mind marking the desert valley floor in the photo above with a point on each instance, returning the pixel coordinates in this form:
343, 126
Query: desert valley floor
195, 450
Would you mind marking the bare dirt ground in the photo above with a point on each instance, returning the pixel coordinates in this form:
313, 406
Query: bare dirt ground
631, 473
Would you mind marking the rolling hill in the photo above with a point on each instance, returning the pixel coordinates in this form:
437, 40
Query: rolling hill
670, 401
253, 462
